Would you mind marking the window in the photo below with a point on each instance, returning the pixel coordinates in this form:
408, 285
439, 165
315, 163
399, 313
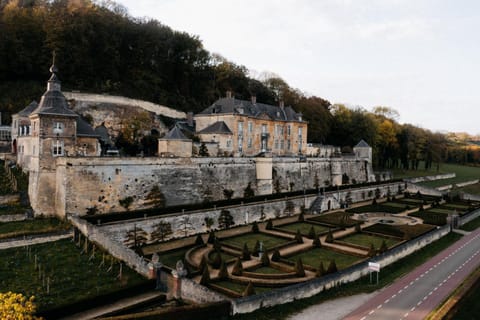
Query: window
57, 127
33, 152
240, 128
249, 142
289, 129
264, 128
288, 145
281, 144
229, 143
250, 127
58, 148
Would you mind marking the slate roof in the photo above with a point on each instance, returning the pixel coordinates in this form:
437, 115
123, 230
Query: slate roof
256, 110
25, 112
84, 129
175, 134
218, 127
362, 144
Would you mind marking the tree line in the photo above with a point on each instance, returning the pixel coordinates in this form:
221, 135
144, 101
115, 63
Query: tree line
101, 48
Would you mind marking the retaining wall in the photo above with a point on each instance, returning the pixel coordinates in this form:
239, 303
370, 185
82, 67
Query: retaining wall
9, 198
432, 178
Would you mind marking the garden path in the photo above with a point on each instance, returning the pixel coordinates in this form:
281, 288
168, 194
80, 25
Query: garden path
12, 243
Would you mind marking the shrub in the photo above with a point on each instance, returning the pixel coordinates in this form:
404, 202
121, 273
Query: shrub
276, 255
249, 290
298, 237
223, 272
374, 201
358, 229
383, 247
269, 225
211, 237
301, 216
299, 270
372, 252
216, 245
329, 238
311, 233
237, 268
126, 202
245, 252
256, 249
199, 240
216, 260
332, 267
205, 280
265, 260
203, 263
321, 270
316, 242
255, 227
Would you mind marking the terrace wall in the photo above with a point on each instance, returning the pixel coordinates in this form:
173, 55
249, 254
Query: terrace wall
9, 198
414, 188
469, 217
432, 178
313, 287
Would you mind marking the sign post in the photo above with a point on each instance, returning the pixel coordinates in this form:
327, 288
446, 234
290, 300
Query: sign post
374, 267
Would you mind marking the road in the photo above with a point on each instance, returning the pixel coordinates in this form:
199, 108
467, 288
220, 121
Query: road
418, 293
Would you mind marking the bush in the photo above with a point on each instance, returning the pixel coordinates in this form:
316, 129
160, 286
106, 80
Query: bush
269, 225
372, 252
301, 216
217, 260
311, 233
332, 267
255, 227
321, 270
265, 260
245, 252
203, 264
199, 240
249, 290
358, 229
237, 268
256, 249
216, 245
329, 238
205, 280
383, 247
299, 270
316, 242
276, 255
223, 272
298, 237
211, 237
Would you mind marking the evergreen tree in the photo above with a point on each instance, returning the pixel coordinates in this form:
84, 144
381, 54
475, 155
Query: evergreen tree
245, 252
298, 237
332, 267
321, 270
249, 290
237, 268
299, 270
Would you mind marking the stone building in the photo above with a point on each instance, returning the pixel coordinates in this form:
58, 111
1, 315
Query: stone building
248, 128
175, 144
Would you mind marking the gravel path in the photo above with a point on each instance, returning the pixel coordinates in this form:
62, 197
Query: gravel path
333, 309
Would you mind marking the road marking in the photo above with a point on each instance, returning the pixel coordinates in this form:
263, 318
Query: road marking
371, 312
386, 301
420, 302
379, 306
413, 309
394, 295
405, 315
363, 318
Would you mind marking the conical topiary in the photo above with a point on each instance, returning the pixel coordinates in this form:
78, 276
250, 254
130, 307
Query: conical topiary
255, 227
372, 252
316, 242
383, 247
299, 270
332, 267
265, 260
205, 280
216, 260
256, 249
311, 233
269, 225
216, 244
329, 238
211, 237
321, 270
298, 237
276, 255
249, 290
245, 252
237, 268
223, 272
199, 240
358, 228
203, 264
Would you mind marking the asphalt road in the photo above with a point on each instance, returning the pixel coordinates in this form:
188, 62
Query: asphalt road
418, 293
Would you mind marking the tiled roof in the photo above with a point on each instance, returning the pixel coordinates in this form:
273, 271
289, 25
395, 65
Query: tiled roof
53, 102
218, 127
362, 144
232, 105
175, 134
25, 112
84, 129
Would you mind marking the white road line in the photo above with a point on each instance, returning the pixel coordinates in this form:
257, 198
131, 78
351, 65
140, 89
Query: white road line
371, 312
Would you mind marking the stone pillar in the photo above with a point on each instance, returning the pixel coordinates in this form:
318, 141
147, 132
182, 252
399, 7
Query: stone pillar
178, 274
264, 168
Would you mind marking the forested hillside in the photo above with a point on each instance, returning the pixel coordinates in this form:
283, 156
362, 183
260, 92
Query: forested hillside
100, 48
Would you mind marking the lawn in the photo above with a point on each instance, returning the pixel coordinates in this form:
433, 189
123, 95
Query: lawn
340, 219
433, 218
72, 276
251, 238
401, 231
472, 225
304, 228
31, 227
225, 256
170, 258
365, 240
472, 189
313, 258
381, 207
268, 270
12, 209
463, 173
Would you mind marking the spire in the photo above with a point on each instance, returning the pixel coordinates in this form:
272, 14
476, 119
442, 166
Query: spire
53, 82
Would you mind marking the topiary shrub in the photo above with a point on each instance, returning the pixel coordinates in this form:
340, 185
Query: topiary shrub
199, 240
358, 229
216, 245
298, 237
237, 268
203, 263
299, 270
265, 260
316, 242
205, 280
255, 227
211, 237
256, 249
329, 238
372, 252
249, 290
245, 252
320, 271
223, 272
311, 233
276, 255
374, 202
332, 267
269, 225
383, 247
216, 260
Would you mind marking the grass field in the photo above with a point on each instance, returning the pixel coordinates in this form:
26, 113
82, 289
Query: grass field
381, 207
31, 227
12, 209
304, 228
268, 270
315, 256
170, 258
72, 276
401, 231
251, 238
366, 239
472, 189
463, 173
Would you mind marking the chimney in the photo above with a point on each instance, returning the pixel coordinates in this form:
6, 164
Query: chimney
190, 119
281, 104
229, 94
254, 99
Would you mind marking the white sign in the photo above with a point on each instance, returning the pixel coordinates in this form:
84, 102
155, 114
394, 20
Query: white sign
373, 266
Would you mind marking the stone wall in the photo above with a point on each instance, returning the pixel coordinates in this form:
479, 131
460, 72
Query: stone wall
432, 178
414, 188
9, 198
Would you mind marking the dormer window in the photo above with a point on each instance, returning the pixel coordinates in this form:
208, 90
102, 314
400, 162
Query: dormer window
58, 127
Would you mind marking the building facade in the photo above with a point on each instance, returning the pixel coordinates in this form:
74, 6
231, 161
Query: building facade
248, 128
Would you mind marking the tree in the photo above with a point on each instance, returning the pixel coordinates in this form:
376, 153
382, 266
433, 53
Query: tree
269, 225
332, 267
245, 252
329, 238
17, 306
249, 290
299, 270
255, 227
225, 220
136, 238
316, 242
186, 225
155, 198
276, 255
311, 233
203, 151
205, 279
248, 192
237, 268
298, 237
161, 231
223, 272
321, 270
265, 260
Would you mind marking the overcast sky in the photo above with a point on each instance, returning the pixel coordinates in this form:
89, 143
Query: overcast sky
419, 57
